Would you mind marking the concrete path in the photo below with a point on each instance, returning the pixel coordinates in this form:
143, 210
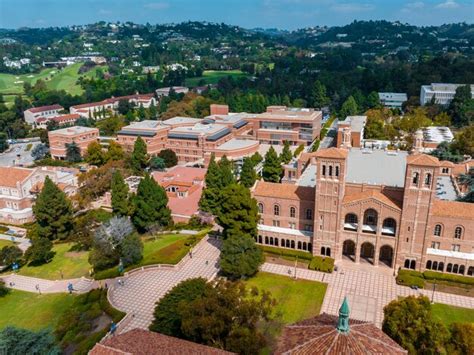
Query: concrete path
368, 290
23, 243
36, 285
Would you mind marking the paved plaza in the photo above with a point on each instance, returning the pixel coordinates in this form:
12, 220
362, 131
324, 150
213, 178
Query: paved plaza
36, 285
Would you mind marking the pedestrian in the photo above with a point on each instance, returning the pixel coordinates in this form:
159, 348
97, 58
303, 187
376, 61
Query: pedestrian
207, 262
106, 287
289, 271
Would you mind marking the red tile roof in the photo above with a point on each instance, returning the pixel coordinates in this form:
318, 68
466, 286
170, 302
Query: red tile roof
10, 176
45, 108
144, 342
377, 195
454, 209
334, 153
422, 159
112, 100
285, 191
319, 336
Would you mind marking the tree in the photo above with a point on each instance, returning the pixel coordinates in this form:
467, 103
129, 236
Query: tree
238, 213
373, 100
4, 290
167, 319
150, 205
169, 156
349, 108
464, 141
227, 317
53, 212
3, 142
39, 151
409, 322
114, 151
139, 158
272, 169
73, 152
319, 96
248, 175
124, 106
467, 180
157, 163
240, 257
10, 254
120, 195
210, 196
40, 251
462, 338
226, 175
131, 250
462, 106
286, 155
95, 155
17, 341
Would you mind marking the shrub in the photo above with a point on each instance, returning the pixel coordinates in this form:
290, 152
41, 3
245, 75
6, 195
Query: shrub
303, 255
438, 276
410, 278
320, 263
3, 289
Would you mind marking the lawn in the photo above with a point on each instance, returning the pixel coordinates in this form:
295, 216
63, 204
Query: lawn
33, 311
450, 314
5, 243
296, 299
213, 76
71, 264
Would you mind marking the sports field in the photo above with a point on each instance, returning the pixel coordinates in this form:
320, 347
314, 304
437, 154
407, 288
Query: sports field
55, 79
213, 76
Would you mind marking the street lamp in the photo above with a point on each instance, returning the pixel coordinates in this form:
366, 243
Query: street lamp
432, 295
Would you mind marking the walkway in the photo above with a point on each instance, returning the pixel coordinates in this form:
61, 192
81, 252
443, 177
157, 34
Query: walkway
143, 288
367, 288
36, 285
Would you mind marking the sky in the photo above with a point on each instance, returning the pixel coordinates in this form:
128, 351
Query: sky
282, 14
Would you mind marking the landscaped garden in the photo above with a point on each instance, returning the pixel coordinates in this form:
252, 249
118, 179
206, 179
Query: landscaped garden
213, 77
450, 314
5, 243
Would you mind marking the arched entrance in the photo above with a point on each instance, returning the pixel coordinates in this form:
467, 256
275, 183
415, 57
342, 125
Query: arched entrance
367, 252
386, 255
348, 249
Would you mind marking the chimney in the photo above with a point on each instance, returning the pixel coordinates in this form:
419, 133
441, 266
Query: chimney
219, 109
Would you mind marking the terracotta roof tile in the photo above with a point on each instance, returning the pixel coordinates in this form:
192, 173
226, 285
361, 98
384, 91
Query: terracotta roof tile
45, 108
335, 153
462, 168
455, 209
422, 159
363, 195
144, 342
9, 176
286, 191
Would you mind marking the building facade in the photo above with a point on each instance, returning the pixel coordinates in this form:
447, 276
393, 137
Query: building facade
35, 113
442, 94
392, 99
82, 136
385, 208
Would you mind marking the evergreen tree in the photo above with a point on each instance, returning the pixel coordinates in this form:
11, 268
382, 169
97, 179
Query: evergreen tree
115, 151
95, 155
319, 96
73, 153
17, 341
210, 196
169, 156
153, 112
349, 108
240, 257
53, 212
286, 155
120, 195
141, 113
3, 142
150, 205
157, 163
139, 158
373, 100
40, 251
272, 169
226, 175
248, 175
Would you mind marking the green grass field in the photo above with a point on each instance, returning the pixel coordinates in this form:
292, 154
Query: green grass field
32, 311
71, 264
296, 299
213, 76
5, 243
450, 314
55, 79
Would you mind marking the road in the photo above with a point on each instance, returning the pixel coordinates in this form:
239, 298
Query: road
18, 154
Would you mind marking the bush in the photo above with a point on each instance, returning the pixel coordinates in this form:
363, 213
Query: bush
321, 263
288, 253
107, 274
438, 276
3, 289
410, 278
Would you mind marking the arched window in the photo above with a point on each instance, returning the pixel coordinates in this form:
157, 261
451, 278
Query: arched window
350, 218
309, 213
328, 251
415, 178
470, 271
435, 265
455, 268
260, 239
276, 210
458, 233
287, 243
370, 217
461, 269
330, 170
337, 171
449, 268
323, 250
441, 266
299, 245
260, 208
437, 230
276, 242
428, 179
271, 240
389, 226
292, 212
407, 264
412, 264
266, 240
304, 246
428, 264
293, 244
324, 170
310, 247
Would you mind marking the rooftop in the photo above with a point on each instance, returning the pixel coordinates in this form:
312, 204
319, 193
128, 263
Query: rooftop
393, 96
10, 176
146, 124
71, 131
376, 167
45, 108
237, 144
285, 191
437, 134
357, 123
454, 209
445, 189
178, 120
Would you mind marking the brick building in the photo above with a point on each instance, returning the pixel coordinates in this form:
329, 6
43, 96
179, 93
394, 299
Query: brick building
82, 136
381, 207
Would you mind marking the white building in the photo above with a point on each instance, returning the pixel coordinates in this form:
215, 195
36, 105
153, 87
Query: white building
166, 91
34, 113
392, 99
442, 93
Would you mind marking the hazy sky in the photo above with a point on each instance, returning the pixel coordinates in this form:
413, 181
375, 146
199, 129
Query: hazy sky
285, 14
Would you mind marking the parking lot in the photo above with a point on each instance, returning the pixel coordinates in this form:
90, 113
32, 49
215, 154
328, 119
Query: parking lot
18, 154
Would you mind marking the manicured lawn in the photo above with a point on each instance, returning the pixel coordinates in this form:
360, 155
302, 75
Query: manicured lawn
33, 311
71, 264
5, 243
213, 76
296, 299
450, 314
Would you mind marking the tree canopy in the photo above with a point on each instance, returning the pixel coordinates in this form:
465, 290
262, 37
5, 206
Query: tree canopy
272, 169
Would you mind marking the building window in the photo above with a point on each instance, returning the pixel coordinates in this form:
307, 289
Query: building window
330, 170
435, 245
276, 223
370, 217
415, 178
276, 210
260, 208
292, 212
337, 171
324, 170
308, 227
309, 213
456, 247
437, 230
458, 233
445, 171
428, 179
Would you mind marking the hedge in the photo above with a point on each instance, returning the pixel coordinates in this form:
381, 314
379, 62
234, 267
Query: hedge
410, 278
438, 276
287, 252
321, 263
